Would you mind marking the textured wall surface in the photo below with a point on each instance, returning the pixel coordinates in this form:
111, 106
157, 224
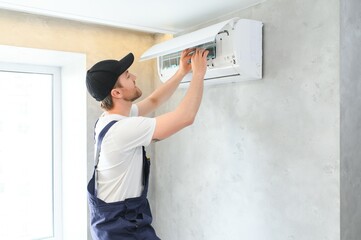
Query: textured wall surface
350, 88
262, 159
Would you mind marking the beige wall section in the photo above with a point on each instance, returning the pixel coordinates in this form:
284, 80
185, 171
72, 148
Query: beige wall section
97, 42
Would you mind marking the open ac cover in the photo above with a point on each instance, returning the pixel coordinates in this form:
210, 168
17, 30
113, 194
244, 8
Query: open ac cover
235, 52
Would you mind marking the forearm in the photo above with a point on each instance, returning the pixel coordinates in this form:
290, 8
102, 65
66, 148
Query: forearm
189, 106
184, 115
166, 90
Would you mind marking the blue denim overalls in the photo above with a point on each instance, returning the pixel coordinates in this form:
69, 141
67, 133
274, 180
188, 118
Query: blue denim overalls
129, 219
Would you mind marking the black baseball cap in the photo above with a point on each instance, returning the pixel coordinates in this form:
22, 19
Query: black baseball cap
101, 78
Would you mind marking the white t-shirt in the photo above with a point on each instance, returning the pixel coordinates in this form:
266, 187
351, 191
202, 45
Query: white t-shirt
120, 163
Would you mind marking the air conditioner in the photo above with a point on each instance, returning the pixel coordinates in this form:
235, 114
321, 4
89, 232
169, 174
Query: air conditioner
235, 52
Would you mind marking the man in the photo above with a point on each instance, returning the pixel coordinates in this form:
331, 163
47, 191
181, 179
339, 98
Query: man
118, 190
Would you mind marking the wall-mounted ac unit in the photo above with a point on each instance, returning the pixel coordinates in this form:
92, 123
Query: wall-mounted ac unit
235, 52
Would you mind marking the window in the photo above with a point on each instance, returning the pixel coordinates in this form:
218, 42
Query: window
30, 150
72, 68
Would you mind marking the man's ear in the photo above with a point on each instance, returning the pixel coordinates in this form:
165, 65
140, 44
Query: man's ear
116, 93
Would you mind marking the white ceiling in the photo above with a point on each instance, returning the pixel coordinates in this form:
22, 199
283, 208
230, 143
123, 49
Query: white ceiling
156, 16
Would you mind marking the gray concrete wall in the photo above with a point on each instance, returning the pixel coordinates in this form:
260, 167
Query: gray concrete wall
262, 159
350, 119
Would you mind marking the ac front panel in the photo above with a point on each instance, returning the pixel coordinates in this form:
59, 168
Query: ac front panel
185, 41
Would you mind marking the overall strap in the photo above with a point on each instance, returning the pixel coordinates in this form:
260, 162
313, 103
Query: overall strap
99, 143
146, 169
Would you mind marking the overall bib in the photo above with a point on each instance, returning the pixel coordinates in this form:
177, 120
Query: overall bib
129, 219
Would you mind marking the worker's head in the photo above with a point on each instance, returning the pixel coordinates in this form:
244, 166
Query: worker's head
111, 78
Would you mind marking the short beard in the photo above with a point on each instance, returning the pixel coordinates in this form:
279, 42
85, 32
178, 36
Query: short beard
137, 95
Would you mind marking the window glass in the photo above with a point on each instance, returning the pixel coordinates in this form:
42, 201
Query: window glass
26, 155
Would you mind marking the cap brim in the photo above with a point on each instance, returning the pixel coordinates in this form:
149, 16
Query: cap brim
125, 63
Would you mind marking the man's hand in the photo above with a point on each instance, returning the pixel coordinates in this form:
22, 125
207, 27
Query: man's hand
199, 62
184, 64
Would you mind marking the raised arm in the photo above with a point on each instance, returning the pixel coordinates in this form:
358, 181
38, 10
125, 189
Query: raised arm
163, 93
184, 115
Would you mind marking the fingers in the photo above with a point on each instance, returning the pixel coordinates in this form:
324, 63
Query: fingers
187, 52
186, 55
200, 52
192, 51
205, 53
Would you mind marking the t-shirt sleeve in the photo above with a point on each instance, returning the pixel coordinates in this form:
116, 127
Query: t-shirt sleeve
134, 132
134, 112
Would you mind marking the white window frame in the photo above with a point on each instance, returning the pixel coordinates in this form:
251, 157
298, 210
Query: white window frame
56, 136
73, 132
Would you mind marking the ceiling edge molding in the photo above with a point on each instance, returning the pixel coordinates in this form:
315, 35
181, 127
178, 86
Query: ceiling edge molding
85, 19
